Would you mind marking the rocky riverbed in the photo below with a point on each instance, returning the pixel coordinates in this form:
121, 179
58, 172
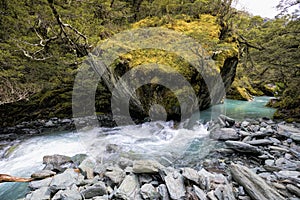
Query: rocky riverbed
255, 159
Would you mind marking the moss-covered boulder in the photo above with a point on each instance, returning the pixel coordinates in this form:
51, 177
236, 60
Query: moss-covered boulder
242, 89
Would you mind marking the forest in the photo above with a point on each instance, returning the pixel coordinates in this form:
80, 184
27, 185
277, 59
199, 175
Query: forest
148, 99
43, 43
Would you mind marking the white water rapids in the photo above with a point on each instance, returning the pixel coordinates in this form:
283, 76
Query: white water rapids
158, 140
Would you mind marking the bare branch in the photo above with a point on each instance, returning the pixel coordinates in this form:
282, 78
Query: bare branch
81, 50
28, 55
243, 40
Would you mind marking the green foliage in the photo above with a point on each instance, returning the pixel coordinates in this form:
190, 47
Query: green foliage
269, 55
42, 42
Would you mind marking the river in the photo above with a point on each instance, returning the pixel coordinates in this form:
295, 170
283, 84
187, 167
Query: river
170, 144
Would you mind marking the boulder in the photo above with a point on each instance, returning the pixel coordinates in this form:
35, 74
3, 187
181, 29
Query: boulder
65, 180
146, 166
69, 194
286, 174
163, 192
39, 184
242, 147
293, 189
200, 193
229, 122
286, 131
254, 185
129, 188
190, 174
149, 192
205, 178
78, 158
224, 192
260, 142
175, 184
87, 167
57, 162
211, 195
225, 134
115, 174
40, 194
97, 189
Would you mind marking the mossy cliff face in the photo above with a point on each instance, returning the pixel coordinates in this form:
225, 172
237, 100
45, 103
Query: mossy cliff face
219, 56
57, 102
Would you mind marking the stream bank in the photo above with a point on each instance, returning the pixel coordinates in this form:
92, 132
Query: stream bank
253, 159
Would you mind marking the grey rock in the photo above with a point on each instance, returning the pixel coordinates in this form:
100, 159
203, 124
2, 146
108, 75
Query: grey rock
288, 156
190, 174
78, 158
293, 189
262, 129
244, 133
163, 192
247, 139
128, 170
219, 192
97, 189
65, 180
211, 195
39, 184
275, 148
40, 194
146, 166
129, 188
286, 131
205, 178
175, 185
295, 137
49, 124
115, 174
242, 147
285, 174
149, 192
99, 169
57, 195
200, 193
219, 179
224, 192
244, 198
104, 197
293, 198
225, 134
124, 162
42, 174
255, 186
228, 121
279, 186
288, 141
263, 124
57, 162
267, 176
245, 123
287, 164
67, 195
269, 162
241, 191
275, 140
260, 142
87, 167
